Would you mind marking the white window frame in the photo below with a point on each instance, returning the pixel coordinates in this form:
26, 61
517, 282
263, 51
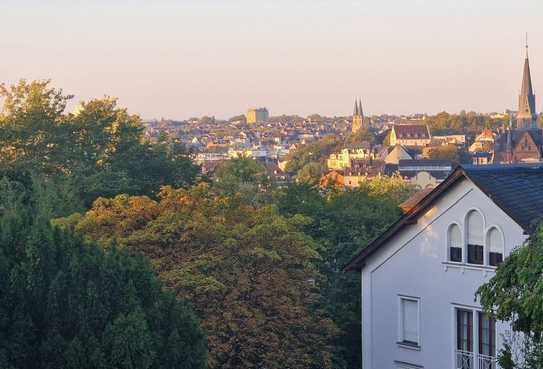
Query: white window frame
487, 244
467, 238
475, 330
460, 245
401, 342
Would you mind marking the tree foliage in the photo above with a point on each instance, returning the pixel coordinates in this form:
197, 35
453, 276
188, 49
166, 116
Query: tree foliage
248, 271
99, 150
515, 294
449, 152
342, 223
67, 303
469, 123
317, 151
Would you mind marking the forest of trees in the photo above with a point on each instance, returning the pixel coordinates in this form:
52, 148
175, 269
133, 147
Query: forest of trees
116, 253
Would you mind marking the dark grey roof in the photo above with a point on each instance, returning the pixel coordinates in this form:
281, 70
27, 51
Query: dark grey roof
411, 131
425, 163
438, 169
517, 189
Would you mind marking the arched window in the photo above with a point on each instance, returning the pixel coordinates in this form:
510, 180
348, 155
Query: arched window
455, 243
474, 222
495, 246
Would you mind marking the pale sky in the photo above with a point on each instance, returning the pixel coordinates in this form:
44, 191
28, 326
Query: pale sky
184, 58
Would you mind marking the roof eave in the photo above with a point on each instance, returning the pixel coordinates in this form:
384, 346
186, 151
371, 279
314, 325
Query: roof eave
408, 218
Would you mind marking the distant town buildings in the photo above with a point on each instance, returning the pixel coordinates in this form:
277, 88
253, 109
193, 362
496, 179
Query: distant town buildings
344, 158
521, 141
259, 115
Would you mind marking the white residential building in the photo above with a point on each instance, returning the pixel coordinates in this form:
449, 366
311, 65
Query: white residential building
420, 277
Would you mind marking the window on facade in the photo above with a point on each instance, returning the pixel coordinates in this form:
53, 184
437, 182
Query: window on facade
475, 238
475, 340
495, 247
464, 330
409, 321
487, 335
455, 243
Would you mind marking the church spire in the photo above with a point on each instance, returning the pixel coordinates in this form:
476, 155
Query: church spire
358, 116
527, 115
526, 77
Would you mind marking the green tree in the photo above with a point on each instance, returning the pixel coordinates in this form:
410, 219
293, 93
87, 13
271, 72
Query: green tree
343, 222
99, 150
449, 152
248, 271
67, 303
317, 151
311, 173
515, 295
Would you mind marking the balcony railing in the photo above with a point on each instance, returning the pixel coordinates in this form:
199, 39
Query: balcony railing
486, 362
469, 360
464, 360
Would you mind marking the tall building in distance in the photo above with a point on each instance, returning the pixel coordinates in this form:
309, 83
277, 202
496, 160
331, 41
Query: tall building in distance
526, 116
358, 117
259, 115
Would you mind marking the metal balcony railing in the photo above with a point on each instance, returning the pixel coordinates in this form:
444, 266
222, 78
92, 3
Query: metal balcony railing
469, 360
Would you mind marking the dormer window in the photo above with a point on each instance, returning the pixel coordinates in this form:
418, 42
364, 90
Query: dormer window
474, 231
455, 243
495, 246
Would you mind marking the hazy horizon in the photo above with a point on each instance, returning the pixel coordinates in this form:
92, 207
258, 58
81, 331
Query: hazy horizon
179, 59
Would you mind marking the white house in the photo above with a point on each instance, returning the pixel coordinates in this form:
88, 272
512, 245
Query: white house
420, 277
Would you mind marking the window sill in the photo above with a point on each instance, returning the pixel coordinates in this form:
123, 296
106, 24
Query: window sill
409, 346
466, 266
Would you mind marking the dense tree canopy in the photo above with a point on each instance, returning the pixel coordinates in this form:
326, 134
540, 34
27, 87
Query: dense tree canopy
342, 223
469, 123
261, 265
99, 150
67, 303
248, 271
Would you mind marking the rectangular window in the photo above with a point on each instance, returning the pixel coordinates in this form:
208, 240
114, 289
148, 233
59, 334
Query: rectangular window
456, 254
409, 321
487, 335
495, 258
475, 254
464, 330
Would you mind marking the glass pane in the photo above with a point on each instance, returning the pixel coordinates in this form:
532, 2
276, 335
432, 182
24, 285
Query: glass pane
464, 330
487, 334
475, 228
455, 254
475, 254
410, 322
495, 241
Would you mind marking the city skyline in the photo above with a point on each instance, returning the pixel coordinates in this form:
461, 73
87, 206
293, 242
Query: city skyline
176, 61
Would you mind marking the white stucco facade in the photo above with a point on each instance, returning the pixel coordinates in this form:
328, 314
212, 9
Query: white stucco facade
415, 263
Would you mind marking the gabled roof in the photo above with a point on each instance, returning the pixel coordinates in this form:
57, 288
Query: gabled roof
396, 154
517, 189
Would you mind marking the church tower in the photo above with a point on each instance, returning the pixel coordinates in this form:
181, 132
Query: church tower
358, 117
526, 116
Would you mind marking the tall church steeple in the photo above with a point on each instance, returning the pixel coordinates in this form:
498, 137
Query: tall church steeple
358, 116
526, 116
